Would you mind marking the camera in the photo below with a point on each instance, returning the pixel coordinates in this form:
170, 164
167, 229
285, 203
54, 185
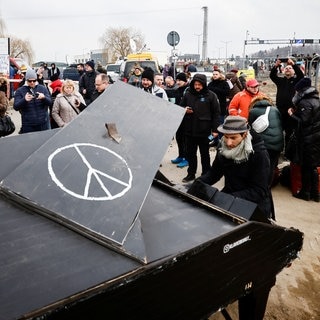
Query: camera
35, 95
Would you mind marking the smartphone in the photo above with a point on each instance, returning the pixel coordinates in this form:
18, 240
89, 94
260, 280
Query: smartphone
211, 137
283, 59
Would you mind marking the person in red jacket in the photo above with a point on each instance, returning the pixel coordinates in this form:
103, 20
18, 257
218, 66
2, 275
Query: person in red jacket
239, 105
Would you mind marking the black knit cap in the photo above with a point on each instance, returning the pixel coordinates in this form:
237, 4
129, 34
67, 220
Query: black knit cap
90, 63
148, 74
181, 76
303, 83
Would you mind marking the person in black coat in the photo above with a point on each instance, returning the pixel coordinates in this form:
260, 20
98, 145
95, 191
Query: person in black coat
200, 121
243, 160
285, 91
177, 92
87, 82
220, 87
306, 115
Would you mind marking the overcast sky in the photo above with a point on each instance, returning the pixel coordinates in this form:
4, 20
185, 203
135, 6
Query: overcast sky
57, 29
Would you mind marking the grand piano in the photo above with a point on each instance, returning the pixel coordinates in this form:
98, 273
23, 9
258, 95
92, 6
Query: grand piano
91, 229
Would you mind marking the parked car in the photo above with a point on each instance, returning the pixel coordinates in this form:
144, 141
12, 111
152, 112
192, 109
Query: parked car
113, 70
207, 74
71, 73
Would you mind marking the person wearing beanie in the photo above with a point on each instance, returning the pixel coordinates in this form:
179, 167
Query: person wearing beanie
87, 82
32, 101
285, 91
182, 76
306, 118
147, 84
90, 64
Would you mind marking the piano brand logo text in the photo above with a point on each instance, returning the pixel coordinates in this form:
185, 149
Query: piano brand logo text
230, 246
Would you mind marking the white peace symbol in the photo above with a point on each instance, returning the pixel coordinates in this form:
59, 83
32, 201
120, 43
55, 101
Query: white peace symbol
91, 172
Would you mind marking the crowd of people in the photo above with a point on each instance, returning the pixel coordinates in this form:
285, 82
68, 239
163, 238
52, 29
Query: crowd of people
229, 114
212, 112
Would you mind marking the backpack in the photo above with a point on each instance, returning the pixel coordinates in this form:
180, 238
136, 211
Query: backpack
262, 122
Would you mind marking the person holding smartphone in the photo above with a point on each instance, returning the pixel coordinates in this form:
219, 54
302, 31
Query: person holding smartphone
285, 91
32, 100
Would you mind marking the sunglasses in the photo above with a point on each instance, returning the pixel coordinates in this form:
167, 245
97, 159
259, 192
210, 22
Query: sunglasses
32, 80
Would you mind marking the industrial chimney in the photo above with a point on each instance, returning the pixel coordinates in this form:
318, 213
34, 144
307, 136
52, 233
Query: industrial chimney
205, 34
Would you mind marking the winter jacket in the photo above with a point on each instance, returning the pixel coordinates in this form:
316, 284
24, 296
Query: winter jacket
247, 180
206, 109
307, 117
273, 135
62, 112
237, 87
285, 89
222, 90
87, 82
34, 112
239, 105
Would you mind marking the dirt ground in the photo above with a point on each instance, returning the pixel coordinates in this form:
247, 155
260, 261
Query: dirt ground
296, 294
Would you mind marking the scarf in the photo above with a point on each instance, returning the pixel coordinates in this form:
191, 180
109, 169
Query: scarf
241, 152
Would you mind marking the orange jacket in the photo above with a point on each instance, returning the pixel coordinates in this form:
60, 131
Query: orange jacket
239, 105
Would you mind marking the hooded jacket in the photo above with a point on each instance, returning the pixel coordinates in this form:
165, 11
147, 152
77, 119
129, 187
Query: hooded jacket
307, 117
206, 109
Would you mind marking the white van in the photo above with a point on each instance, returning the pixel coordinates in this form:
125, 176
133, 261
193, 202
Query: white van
113, 70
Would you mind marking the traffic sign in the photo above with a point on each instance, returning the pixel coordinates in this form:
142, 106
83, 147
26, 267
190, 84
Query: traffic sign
173, 38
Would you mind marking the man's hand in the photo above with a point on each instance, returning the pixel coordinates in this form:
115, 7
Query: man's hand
290, 61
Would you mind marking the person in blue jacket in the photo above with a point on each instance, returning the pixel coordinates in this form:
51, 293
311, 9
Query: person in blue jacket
32, 100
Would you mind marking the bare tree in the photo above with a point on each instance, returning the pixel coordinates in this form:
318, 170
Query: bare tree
116, 42
21, 49
2, 28
18, 48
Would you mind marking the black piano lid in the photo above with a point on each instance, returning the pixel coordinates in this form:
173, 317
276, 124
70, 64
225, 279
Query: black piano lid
87, 181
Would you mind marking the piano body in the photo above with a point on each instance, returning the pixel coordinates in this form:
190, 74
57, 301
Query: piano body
90, 231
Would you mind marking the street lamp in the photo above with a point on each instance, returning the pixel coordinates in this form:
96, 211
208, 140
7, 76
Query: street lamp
226, 43
245, 43
219, 49
198, 35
